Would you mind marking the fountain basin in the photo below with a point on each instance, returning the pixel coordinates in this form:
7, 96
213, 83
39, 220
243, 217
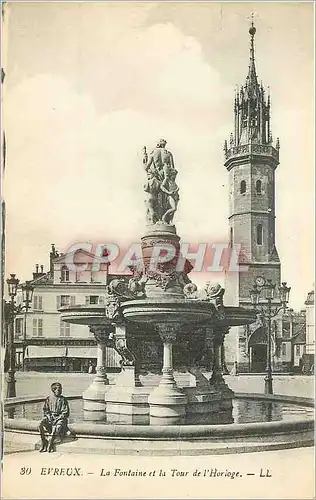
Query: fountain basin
183, 311
91, 315
162, 310
174, 439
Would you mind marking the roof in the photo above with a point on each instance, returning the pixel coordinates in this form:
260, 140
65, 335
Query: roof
310, 300
42, 280
274, 256
80, 252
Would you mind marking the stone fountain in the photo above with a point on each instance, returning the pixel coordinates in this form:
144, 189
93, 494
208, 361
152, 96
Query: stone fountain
158, 300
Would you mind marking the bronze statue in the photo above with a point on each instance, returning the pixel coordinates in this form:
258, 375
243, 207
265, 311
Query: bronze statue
55, 421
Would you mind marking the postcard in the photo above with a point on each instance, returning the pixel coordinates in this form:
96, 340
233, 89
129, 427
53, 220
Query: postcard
157, 250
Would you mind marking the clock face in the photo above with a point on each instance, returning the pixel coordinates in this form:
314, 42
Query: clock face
260, 281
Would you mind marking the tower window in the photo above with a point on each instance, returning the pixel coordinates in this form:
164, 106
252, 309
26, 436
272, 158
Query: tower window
243, 187
259, 187
259, 234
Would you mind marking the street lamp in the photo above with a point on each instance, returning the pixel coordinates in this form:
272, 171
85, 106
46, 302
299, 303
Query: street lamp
11, 310
12, 288
13, 283
268, 289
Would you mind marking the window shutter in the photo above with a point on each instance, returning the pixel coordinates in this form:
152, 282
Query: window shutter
67, 329
87, 300
72, 300
62, 327
58, 301
40, 303
34, 327
40, 327
101, 300
35, 302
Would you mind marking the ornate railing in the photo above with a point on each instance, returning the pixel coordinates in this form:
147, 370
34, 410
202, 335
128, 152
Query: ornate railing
252, 149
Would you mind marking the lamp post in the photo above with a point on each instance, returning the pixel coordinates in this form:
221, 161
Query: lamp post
12, 286
267, 313
11, 311
27, 293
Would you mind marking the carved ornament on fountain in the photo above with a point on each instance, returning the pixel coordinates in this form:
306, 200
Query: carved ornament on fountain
168, 331
103, 334
190, 291
128, 358
215, 294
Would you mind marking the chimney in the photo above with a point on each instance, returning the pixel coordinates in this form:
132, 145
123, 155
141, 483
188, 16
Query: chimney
53, 254
35, 273
38, 273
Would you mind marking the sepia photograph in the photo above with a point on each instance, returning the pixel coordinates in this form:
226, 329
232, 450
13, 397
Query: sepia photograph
157, 249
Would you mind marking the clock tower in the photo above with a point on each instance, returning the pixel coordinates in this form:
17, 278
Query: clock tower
251, 159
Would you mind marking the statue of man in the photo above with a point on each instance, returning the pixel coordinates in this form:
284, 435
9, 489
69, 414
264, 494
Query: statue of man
55, 420
157, 158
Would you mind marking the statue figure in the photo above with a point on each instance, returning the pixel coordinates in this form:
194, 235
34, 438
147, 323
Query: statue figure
55, 419
161, 188
157, 159
152, 188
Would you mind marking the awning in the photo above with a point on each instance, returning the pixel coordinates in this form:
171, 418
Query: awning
33, 351
81, 352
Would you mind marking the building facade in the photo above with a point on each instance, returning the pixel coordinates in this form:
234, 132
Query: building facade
43, 341
309, 355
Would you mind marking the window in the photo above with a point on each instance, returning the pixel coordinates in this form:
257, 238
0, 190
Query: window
64, 329
38, 303
259, 187
64, 274
94, 299
37, 327
18, 325
298, 350
259, 234
283, 349
243, 187
286, 329
65, 300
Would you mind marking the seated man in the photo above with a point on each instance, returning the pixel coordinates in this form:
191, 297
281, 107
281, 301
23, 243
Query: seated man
55, 421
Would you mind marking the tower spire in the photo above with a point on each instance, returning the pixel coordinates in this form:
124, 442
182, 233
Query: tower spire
251, 106
252, 75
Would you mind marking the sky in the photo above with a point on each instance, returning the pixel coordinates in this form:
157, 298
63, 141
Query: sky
89, 84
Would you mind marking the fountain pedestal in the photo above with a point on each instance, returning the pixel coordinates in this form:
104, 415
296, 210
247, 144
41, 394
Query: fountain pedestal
167, 400
217, 380
127, 397
93, 397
